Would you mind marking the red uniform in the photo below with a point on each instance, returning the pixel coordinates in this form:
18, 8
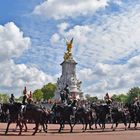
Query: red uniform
24, 96
30, 98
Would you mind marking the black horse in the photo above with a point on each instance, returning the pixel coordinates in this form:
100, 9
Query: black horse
31, 112
117, 117
14, 114
3, 115
83, 116
101, 112
63, 114
133, 114
37, 115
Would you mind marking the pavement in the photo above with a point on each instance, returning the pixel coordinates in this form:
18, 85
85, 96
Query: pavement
95, 134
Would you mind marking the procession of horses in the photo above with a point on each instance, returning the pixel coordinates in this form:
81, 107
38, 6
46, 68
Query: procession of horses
90, 114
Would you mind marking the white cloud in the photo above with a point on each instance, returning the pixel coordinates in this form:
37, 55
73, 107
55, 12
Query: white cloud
85, 74
118, 2
60, 9
14, 76
116, 38
109, 50
111, 78
55, 38
63, 26
134, 62
102, 69
12, 42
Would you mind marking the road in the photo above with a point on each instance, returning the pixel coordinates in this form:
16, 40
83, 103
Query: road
108, 134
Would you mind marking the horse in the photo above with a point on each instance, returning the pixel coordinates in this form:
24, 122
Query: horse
118, 116
84, 116
101, 112
3, 115
33, 113
37, 114
62, 115
133, 112
14, 114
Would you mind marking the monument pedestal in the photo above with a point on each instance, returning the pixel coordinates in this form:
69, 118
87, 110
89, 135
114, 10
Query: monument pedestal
68, 77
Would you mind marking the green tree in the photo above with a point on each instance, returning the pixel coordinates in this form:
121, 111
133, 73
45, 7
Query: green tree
123, 98
4, 98
38, 95
91, 98
120, 98
132, 94
48, 90
114, 97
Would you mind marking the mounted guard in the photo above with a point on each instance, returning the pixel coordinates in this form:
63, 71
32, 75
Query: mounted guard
12, 99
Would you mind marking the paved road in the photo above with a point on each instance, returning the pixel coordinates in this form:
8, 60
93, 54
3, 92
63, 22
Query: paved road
119, 134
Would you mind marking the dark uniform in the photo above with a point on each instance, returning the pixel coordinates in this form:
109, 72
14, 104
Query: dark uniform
53, 109
12, 99
24, 100
67, 92
62, 96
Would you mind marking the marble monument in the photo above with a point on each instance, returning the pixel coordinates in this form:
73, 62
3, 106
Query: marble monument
68, 76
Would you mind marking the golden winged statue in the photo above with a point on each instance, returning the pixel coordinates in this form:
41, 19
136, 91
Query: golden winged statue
69, 47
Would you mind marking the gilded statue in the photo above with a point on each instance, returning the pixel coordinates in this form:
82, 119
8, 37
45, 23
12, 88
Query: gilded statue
69, 47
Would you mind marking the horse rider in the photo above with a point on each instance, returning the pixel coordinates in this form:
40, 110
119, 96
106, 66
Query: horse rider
54, 114
69, 100
135, 102
30, 98
24, 103
24, 96
74, 105
12, 99
67, 91
107, 99
62, 96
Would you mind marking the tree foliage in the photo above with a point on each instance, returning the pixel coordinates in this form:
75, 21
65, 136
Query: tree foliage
48, 90
120, 98
4, 98
132, 94
38, 95
91, 98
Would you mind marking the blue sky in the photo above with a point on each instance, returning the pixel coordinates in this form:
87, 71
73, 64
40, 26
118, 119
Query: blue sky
106, 43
